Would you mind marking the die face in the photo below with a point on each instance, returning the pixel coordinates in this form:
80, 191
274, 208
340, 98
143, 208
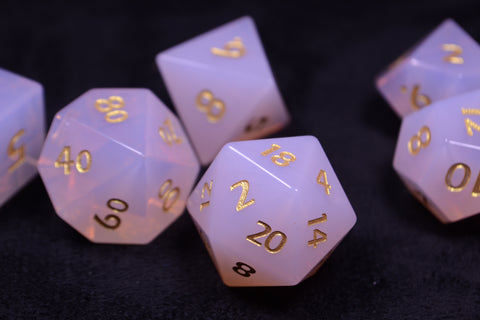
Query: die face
222, 87
118, 185
262, 216
22, 124
446, 63
437, 156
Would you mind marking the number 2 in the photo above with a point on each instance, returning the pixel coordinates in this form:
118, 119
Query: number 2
243, 196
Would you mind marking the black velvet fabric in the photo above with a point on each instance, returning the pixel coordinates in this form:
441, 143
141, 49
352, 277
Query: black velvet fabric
398, 262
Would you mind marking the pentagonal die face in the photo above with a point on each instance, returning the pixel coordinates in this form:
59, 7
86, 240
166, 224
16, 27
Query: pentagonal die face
22, 131
223, 88
117, 165
437, 156
270, 211
446, 63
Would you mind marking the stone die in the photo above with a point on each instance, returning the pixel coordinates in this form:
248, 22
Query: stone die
118, 166
222, 87
437, 156
267, 213
22, 126
444, 64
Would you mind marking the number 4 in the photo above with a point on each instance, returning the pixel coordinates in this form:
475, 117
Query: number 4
322, 180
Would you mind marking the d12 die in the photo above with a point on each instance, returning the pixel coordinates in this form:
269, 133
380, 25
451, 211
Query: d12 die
446, 63
223, 88
437, 156
118, 166
22, 127
270, 211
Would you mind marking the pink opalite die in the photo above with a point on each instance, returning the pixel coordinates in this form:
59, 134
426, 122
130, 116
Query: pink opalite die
270, 211
22, 126
438, 156
445, 63
223, 88
118, 166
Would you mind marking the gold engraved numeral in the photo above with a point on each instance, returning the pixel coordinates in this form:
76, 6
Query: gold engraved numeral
283, 159
213, 107
112, 221
322, 180
208, 188
455, 53
318, 236
168, 133
240, 268
465, 179
232, 49
111, 108
168, 195
17, 153
241, 202
470, 124
271, 235
64, 161
256, 124
415, 144
417, 100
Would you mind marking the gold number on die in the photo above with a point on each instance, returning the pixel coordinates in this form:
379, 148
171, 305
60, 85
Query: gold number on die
206, 187
232, 49
64, 161
111, 108
213, 107
416, 143
243, 196
112, 221
465, 179
283, 159
271, 235
168, 133
318, 236
455, 53
417, 100
469, 123
322, 180
16, 152
168, 194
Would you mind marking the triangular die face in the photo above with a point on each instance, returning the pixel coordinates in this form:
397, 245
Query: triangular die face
120, 196
119, 114
197, 52
449, 48
211, 104
166, 140
75, 160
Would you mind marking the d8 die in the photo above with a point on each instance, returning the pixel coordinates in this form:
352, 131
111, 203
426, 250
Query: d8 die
270, 211
22, 131
446, 63
437, 156
117, 165
223, 88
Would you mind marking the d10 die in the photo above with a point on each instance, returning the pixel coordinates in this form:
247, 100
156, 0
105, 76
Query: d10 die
446, 63
437, 156
22, 127
117, 165
270, 211
223, 88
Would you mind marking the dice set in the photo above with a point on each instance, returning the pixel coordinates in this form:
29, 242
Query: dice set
435, 89
119, 167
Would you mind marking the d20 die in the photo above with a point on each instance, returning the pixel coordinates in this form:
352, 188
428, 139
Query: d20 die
118, 166
270, 211
437, 156
446, 63
22, 127
223, 88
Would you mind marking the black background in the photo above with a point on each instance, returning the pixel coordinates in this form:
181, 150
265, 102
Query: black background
398, 262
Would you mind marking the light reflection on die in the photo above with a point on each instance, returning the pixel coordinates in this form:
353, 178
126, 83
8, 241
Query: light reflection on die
118, 166
22, 127
437, 156
444, 64
270, 211
222, 87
